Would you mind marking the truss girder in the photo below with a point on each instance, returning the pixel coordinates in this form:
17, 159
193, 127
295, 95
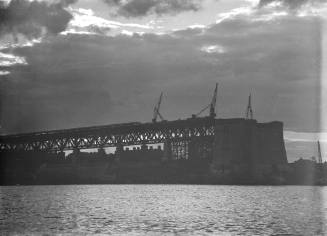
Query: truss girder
109, 136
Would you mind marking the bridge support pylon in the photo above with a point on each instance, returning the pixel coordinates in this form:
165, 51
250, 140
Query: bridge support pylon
76, 153
119, 151
167, 150
101, 151
61, 155
144, 147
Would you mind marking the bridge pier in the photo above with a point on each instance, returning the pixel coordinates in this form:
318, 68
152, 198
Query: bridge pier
193, 152
61, 155
101, 151
167, 151
180, 150
75, 155
144, 147
119, 151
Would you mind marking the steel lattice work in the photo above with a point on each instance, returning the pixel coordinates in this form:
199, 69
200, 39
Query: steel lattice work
110, 136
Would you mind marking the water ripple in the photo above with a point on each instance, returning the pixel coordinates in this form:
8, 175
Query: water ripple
163, 209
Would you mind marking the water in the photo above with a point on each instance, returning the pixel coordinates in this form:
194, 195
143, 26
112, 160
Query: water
163, 209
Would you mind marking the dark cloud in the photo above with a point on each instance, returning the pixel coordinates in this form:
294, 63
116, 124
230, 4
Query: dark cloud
291, 4
81, 80
34, 18
139, 8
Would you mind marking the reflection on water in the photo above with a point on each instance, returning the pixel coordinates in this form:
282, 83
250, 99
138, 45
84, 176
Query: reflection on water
157, 209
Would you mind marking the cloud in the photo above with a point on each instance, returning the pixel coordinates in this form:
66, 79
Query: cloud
140, 8
85, 79
80, 80
7, 60
4, 72
291, 4
213, 49
276, 58
32, 19
86, 22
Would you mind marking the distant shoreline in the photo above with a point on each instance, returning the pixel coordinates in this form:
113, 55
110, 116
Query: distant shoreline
95, 169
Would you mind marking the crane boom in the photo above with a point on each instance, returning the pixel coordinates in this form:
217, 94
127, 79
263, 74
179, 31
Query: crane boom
159, 102
211, 106
249, 111
156, 109
213, 102
200, 112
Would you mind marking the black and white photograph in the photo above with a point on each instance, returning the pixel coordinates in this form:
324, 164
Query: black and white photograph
163, 117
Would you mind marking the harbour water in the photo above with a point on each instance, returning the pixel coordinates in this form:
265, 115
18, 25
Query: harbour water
163, 209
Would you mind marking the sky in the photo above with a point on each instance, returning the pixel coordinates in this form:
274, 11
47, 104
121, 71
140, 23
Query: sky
75, 63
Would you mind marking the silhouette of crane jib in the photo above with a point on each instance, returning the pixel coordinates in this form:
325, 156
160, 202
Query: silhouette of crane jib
211, 106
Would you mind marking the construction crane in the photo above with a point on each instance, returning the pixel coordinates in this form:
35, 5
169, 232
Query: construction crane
249, 111
319, 153
156, 110
211, 106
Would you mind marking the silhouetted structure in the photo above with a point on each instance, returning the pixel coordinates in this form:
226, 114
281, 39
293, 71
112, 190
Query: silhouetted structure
222, 140
156, 110
319, 153
226, 145
249, 111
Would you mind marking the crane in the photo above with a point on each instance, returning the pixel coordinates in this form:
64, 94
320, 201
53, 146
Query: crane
156, 110
319, 153
211, 106
249, 111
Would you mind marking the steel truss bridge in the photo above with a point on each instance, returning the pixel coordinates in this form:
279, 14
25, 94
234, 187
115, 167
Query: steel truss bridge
177, 132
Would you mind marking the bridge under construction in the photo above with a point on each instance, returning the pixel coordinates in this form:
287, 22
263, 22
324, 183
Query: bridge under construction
220, 140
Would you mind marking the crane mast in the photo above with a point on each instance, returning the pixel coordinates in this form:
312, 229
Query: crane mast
249, 111
319, 153
156, 110
211, 106
213, 103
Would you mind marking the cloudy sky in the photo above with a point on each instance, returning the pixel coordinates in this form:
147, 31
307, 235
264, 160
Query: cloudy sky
69, 63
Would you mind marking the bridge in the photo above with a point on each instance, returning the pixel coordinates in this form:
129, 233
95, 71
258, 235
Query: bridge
115, 135
177, 134
196, 137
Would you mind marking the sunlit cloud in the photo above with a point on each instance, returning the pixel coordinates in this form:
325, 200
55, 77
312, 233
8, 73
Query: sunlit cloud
24, 43
241, 11
86, 22
7, 60
4, 72
197, 26
272, 10
297, 8
137, 8
126, 32
213, 49
77, 31
251, 14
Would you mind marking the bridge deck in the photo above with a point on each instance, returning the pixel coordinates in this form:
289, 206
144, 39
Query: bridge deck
109, 135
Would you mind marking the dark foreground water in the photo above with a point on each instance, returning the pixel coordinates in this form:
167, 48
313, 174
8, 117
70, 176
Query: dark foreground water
163, 209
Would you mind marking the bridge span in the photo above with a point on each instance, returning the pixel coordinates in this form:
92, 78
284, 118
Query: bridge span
115, 135
222, 140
